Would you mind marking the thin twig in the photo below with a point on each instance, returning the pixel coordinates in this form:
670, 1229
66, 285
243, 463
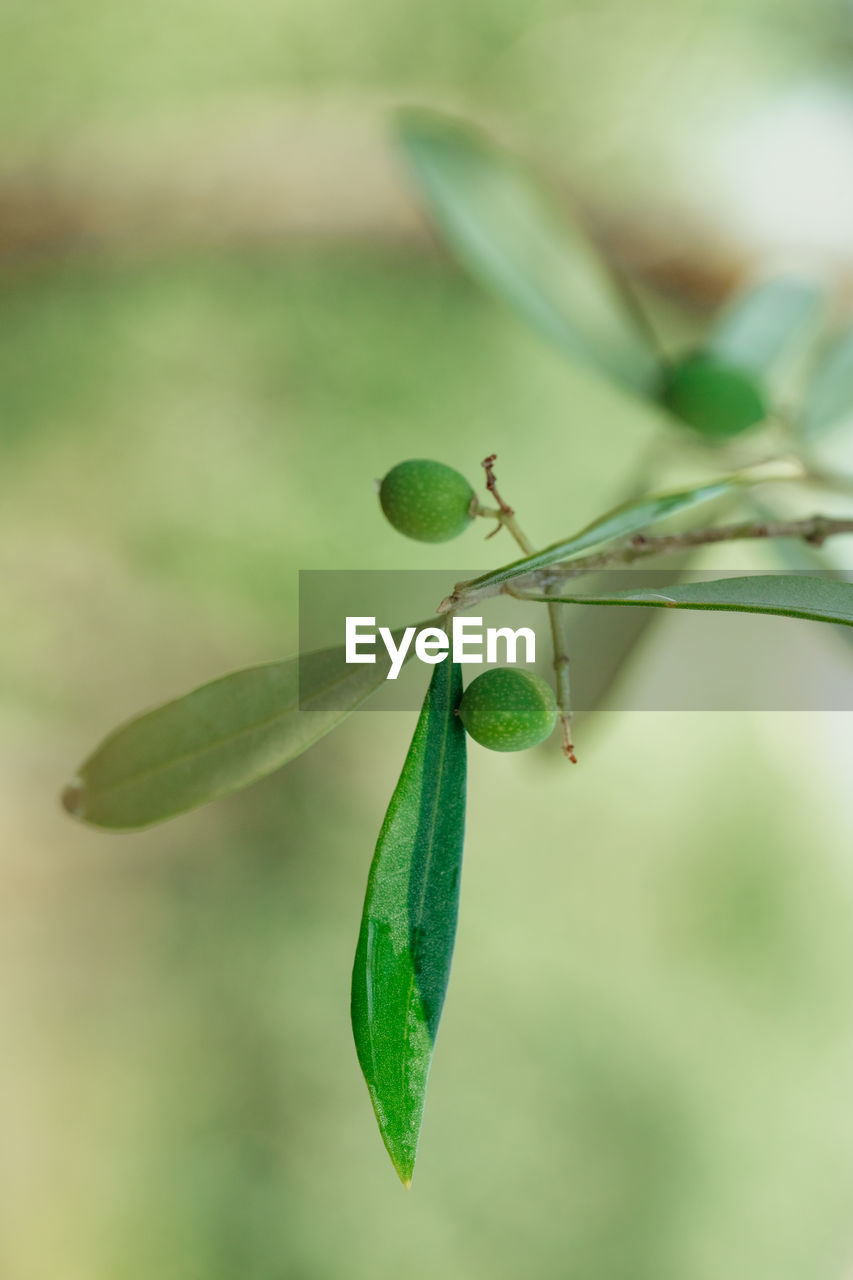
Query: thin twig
556, 614
814, 530
557, 617
488, 465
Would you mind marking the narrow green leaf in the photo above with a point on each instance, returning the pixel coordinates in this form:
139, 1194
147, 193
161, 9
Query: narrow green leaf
829, 398
223, 736
798, 555
818, 599
619, 523
405, 946
767, 324
501, 226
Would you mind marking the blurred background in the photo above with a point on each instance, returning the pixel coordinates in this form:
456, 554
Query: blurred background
221, 316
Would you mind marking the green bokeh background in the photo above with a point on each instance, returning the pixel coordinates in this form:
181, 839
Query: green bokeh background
644, 1070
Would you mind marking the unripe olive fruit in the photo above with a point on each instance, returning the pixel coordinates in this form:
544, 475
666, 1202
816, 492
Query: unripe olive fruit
508, 709
427, 500
718, 399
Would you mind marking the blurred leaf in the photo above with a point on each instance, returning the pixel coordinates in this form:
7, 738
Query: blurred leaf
223, 736
767, 324
501, 226
405, 946
819, 599
619, 523
603, 643
829, 398
594, 674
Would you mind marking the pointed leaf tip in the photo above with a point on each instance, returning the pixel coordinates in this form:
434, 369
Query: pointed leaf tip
73, 798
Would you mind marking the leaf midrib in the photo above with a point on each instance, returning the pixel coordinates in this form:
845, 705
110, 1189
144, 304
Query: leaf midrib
419, 916
828, 616
228, 738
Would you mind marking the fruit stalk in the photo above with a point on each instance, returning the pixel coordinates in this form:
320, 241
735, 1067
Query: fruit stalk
556, 617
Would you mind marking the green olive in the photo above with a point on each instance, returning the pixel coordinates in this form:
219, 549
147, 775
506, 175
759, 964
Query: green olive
508, 709
427, 500
716, 398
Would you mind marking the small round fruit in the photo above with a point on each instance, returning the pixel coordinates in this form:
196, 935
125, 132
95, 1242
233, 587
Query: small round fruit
427, 500
508, 709
716, 398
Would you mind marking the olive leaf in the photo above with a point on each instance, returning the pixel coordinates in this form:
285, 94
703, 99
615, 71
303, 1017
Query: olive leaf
220, 737
619, 523
801, 596
405, 946
510, 236
797, 555
767, 325
829, 398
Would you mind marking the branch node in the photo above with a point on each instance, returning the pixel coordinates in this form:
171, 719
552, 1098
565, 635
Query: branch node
818, 532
